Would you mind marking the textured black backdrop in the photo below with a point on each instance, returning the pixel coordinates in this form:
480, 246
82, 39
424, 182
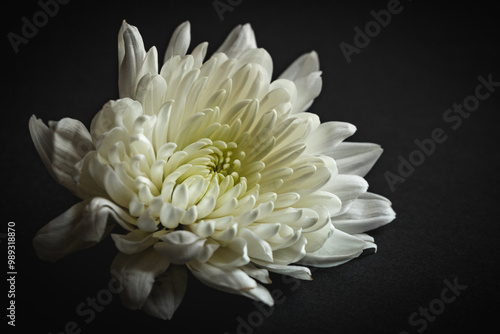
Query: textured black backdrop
395, 90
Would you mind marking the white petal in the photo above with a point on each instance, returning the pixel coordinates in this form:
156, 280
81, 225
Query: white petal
327, 136
241, 38
136, 274
302, 67
324, 198
348, 188
179, 42
356, 158
258, 248
180, 246
110, 114
150, 91
131, 55
262, 275
232, 280
366, 213
339, 248
256, 56
233, 254
116, 189
121, 42
133, 242
199, 53
316, 239
86, 185
61, 147
298, 272
368, 239
208, 250
167, 293
82, 226
292, 253
308, 88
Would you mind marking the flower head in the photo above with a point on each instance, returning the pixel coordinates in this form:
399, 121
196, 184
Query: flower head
211, 166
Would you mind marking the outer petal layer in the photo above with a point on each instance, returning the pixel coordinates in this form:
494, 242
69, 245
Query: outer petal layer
82, 226
232, 280
61, 146
136, 274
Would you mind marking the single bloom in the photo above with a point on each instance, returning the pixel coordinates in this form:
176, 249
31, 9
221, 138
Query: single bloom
213, 167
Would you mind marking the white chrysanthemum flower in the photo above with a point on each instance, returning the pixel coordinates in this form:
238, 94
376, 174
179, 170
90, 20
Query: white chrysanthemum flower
211, 165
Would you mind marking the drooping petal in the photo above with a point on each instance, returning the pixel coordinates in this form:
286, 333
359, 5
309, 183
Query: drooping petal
338, 249
366, 213
233, 254
82, 226
298, 272
61, 147
368, 239
262, 275
167, 293
133, 242
232, 280
180, 246
136, 275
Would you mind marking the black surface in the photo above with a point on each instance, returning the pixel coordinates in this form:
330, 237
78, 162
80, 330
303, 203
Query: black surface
395, 90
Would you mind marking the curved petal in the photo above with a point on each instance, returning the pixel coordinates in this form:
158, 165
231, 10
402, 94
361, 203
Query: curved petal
356, 158
327, 136
308, 88
302, 67
133, 242
316, 239
262, 275
232, 280
179, 42
121, 112
136, 275
256, 56
348, 188
366, 213
180, 247
167, 293
241, 38
136, 40
131, 55
61, 147
83, 225
298, 272
338, 249
233, 254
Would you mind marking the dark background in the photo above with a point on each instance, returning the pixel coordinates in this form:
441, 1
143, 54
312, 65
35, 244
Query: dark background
395, 90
